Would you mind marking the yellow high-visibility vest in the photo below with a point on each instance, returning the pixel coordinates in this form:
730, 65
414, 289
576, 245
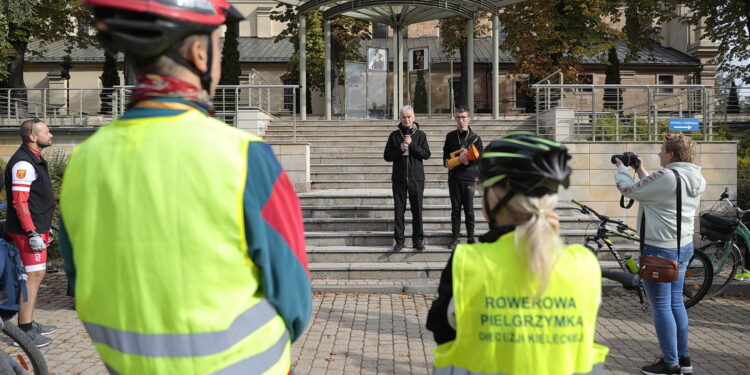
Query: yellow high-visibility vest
503, 329
154, 211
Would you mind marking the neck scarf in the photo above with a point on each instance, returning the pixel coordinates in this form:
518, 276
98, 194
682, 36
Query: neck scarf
153, 86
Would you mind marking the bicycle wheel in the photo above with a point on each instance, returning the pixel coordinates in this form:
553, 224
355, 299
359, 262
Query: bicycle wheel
29, 357
722, 275
698, 278
5, 367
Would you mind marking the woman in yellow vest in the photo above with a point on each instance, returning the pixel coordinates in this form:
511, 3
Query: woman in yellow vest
519, 302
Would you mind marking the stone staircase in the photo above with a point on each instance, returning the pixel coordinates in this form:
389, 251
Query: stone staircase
349, 213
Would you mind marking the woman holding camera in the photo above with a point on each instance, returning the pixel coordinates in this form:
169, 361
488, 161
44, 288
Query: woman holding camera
656, 193
519, 303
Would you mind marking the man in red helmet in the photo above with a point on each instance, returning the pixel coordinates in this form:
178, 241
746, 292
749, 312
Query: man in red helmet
182, 236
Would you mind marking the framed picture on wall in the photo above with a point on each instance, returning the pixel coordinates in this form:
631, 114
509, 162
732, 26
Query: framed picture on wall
377, 59
419, 59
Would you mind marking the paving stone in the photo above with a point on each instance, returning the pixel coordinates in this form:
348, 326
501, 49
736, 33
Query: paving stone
365, 334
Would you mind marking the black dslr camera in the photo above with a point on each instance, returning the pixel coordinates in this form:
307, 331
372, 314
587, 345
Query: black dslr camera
629, 159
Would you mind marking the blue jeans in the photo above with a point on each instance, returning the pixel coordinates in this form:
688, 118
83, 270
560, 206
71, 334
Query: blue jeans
667, 306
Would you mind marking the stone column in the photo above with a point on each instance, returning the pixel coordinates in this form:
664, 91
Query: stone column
302, 68
495, 67
327, 36
470, 65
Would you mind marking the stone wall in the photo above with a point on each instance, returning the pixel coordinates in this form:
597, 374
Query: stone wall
295, 158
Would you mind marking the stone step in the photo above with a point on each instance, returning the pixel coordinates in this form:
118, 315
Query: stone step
424, 273
324, 184
430, 223
433, 169
375, 254
431, 253
393, 270
382, 132
386, 211
425, 124
385, 224
343, 151
435, 238
376, 211
383, 197
440, 176
367, 158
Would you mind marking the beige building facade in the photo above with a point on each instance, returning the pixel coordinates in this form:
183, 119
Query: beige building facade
682, 57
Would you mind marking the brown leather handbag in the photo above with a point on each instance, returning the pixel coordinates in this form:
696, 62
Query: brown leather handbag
658, 269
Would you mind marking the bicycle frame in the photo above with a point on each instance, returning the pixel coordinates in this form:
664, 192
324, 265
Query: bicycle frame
602, 234
742, 231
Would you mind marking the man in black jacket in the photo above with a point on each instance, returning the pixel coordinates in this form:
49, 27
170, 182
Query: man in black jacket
407, 147
461, 178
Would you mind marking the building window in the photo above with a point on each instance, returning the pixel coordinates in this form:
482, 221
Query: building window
585, 79
665, 80
379, 30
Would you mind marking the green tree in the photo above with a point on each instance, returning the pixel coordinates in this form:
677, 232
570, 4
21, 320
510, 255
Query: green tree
225, 100
110, 77
453, 39
420, 94
544, 36
733, 101
45, 21
612, 97
727, 23
347, 34
230, 56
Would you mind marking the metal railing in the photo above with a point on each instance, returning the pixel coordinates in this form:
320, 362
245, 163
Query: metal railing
552, 93
98, 106
625, 112
58, 106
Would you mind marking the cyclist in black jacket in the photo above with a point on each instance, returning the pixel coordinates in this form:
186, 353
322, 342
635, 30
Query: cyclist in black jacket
461, 178
407, 147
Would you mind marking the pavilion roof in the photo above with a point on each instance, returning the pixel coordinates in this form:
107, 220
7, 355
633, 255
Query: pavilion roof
400, 12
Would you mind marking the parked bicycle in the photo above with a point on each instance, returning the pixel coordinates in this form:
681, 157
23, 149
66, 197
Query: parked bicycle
723, 227
27, 360
29, 357
699, 272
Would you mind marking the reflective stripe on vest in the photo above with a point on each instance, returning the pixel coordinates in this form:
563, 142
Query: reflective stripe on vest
186, 344
452, 370
257, 364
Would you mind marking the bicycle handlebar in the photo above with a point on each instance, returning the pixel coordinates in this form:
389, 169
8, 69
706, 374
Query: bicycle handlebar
606, 219
628, 280
725, 197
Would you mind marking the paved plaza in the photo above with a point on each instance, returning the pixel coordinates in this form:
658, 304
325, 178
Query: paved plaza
384, 334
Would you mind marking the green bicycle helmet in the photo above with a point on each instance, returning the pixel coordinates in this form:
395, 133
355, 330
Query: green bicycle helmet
524, 163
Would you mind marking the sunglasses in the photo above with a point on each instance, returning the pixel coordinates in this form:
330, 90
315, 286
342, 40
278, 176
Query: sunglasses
35, 120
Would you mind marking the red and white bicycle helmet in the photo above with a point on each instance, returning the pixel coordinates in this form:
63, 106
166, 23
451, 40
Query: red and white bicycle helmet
146, 29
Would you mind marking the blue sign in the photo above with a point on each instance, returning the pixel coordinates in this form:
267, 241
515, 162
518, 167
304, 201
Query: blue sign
684, 124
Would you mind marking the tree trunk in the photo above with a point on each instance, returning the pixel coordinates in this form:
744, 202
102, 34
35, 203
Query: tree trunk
130, 78
336, 105
18, 98
336, 100
463, 93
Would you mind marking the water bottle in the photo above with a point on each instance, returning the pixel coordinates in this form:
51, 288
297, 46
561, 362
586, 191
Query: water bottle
631, 263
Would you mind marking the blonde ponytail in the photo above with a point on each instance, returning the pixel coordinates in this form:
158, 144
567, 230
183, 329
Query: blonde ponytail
537, 232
